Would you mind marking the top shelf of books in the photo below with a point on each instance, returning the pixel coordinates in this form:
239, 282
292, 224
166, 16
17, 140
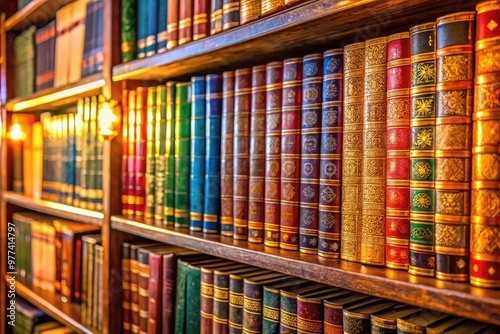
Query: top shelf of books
312, 26
34, 13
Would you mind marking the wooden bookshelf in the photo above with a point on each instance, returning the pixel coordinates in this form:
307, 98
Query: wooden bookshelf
54, 209
459, 299
68, 314
34, 13
52, 98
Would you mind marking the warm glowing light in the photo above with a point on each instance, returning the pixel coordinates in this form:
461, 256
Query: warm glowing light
16, 132
106, 119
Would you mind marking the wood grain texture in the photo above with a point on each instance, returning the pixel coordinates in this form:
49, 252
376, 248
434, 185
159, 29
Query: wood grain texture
295, 31
36, 12
460, 299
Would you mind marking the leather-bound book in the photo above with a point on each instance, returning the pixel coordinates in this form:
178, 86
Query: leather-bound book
417, 322
256, 183
98, 309
131, 139
99, 149
78, 152
230, 14
150, 153
125, 141
161, 32
352, 151
151, 27
140, 151
423, 119
472, 327
172, 24
201, 19
330, 164
160, 152
126, 292
128, 30
455, 68
374, 153
484, 250
385, 322
170, 154
290, 153
227, 154
22, 225
249, 11
274, 85
142, 29
185, 22
241, 150
215, 17
312, 96
268, 7
289, 3
90, 297
397, 196
442, 326
212, 202
333, 311
197, 154
356, 318
181, 152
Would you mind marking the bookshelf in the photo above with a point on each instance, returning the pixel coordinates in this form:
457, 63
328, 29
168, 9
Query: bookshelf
309, 27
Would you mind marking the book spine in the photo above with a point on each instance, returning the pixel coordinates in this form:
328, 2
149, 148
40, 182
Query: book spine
17, 165
270, 310
332, 318
134, 288
216, 17
151, 27
423, 120
207, 301
160, 152
397, 221
99, 308
172, 24
197, 152
99, 51
71, 155
274, 87
230, 14
125, 153
144, 292
168, 293
201, 20
142, 31
85, 278
90, 286
256, 182
211, 207
126, 295
150, 153
484, 254
185, 21
352, 152
99, 159
227, 153
242, 106
356, 323
89, 26
309, 315
288, 312
78, 273
161, 32
252, 307
249, 11
268, 7
182, 143
330, 164
236, 299
93, 158
221, 303
155, 293
455, 74
131, 166
374, 153
68, 267
129, 30
312, 96
193, 300
290, 153
170, 155
140, 151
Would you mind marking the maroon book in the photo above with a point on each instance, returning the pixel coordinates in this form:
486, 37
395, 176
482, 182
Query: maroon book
125, 203
201, 19
140, 151
185, 21
257, 155
155, 292
290, 153
333, 311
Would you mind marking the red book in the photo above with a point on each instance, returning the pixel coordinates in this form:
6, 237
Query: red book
290, 153
172, 23
333, 312
201, 19
125, 204
131, 153
242, 103
155, 292
398, 151
185, 21
140, 151
274, 83
257, 155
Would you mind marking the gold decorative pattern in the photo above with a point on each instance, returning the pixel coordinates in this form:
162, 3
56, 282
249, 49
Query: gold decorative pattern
487, 96
420, 233
311, 94
488, 60
375, 139
353, 114
454, 68
461, 264
422, 169
309, 326
425, 73
453, 103
310, 118
271, 314
485, 239
354, 86
486, 132
452, 137
373, 193
447, 235
398, 109
451, 169
485, 203
450, 203
252, 305
423, 139
486, 167
374, 167
422, 200
330, 116
288, 191
423, 107
288, 319
353, 141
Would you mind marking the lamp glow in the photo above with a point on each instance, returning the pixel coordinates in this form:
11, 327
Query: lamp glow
16, 132
106, 119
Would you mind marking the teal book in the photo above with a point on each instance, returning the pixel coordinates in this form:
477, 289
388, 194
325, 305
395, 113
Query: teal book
170, 154
142, 29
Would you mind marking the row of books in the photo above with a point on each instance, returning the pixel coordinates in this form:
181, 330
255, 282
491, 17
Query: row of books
30, 320
167, 289
61, 52
150, 27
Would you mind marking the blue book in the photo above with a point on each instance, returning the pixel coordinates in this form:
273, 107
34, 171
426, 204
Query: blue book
99, 51
142, 32
161, 35
89, 37
211, 207
151, 27
197, 161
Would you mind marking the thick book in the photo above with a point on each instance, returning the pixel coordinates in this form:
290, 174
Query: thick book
150, 153
241, 172
131, 141
172, 24
227, 154
418, 321
386, 321
170, 154
330, 164
310, 141
87, 296
249, 11
140, 151
268, 7
201, 19
397, 196
290, 153
160, 152
423, 167
197, 153
356, 318
455, 68
274, 98
484, 260
185, 21
128, 30
257, 161
352, 152
230, 14
215, 17
182, 153
125, 143
333, 311
213, 114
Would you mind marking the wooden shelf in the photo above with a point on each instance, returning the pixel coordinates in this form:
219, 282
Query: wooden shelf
459, 299
54, 209
313, 26
34, 13
68, 314
56, 97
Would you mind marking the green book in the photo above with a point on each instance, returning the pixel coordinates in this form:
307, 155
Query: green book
85, 149
170, 154
160, 152
99, 145
129, 27
150, 152
92, 150
182, 144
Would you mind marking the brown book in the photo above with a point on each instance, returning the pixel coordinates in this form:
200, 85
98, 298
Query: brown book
442, 326
268, 7
386, 321
87, 296
249, 11
333, 310
201, 19
185, 21
418, 321
469, 327
357, 317
98, 307
172, 23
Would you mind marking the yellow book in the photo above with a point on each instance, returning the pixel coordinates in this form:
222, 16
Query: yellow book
77, 34
64, 19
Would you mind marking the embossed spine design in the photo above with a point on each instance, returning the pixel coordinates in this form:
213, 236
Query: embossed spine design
397, 228
269, 7
454, 53
206, 300
271, 310
235, 304
249, 11
423, 119
252, 307
150, 152
485, 214
170, 155
352, 151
